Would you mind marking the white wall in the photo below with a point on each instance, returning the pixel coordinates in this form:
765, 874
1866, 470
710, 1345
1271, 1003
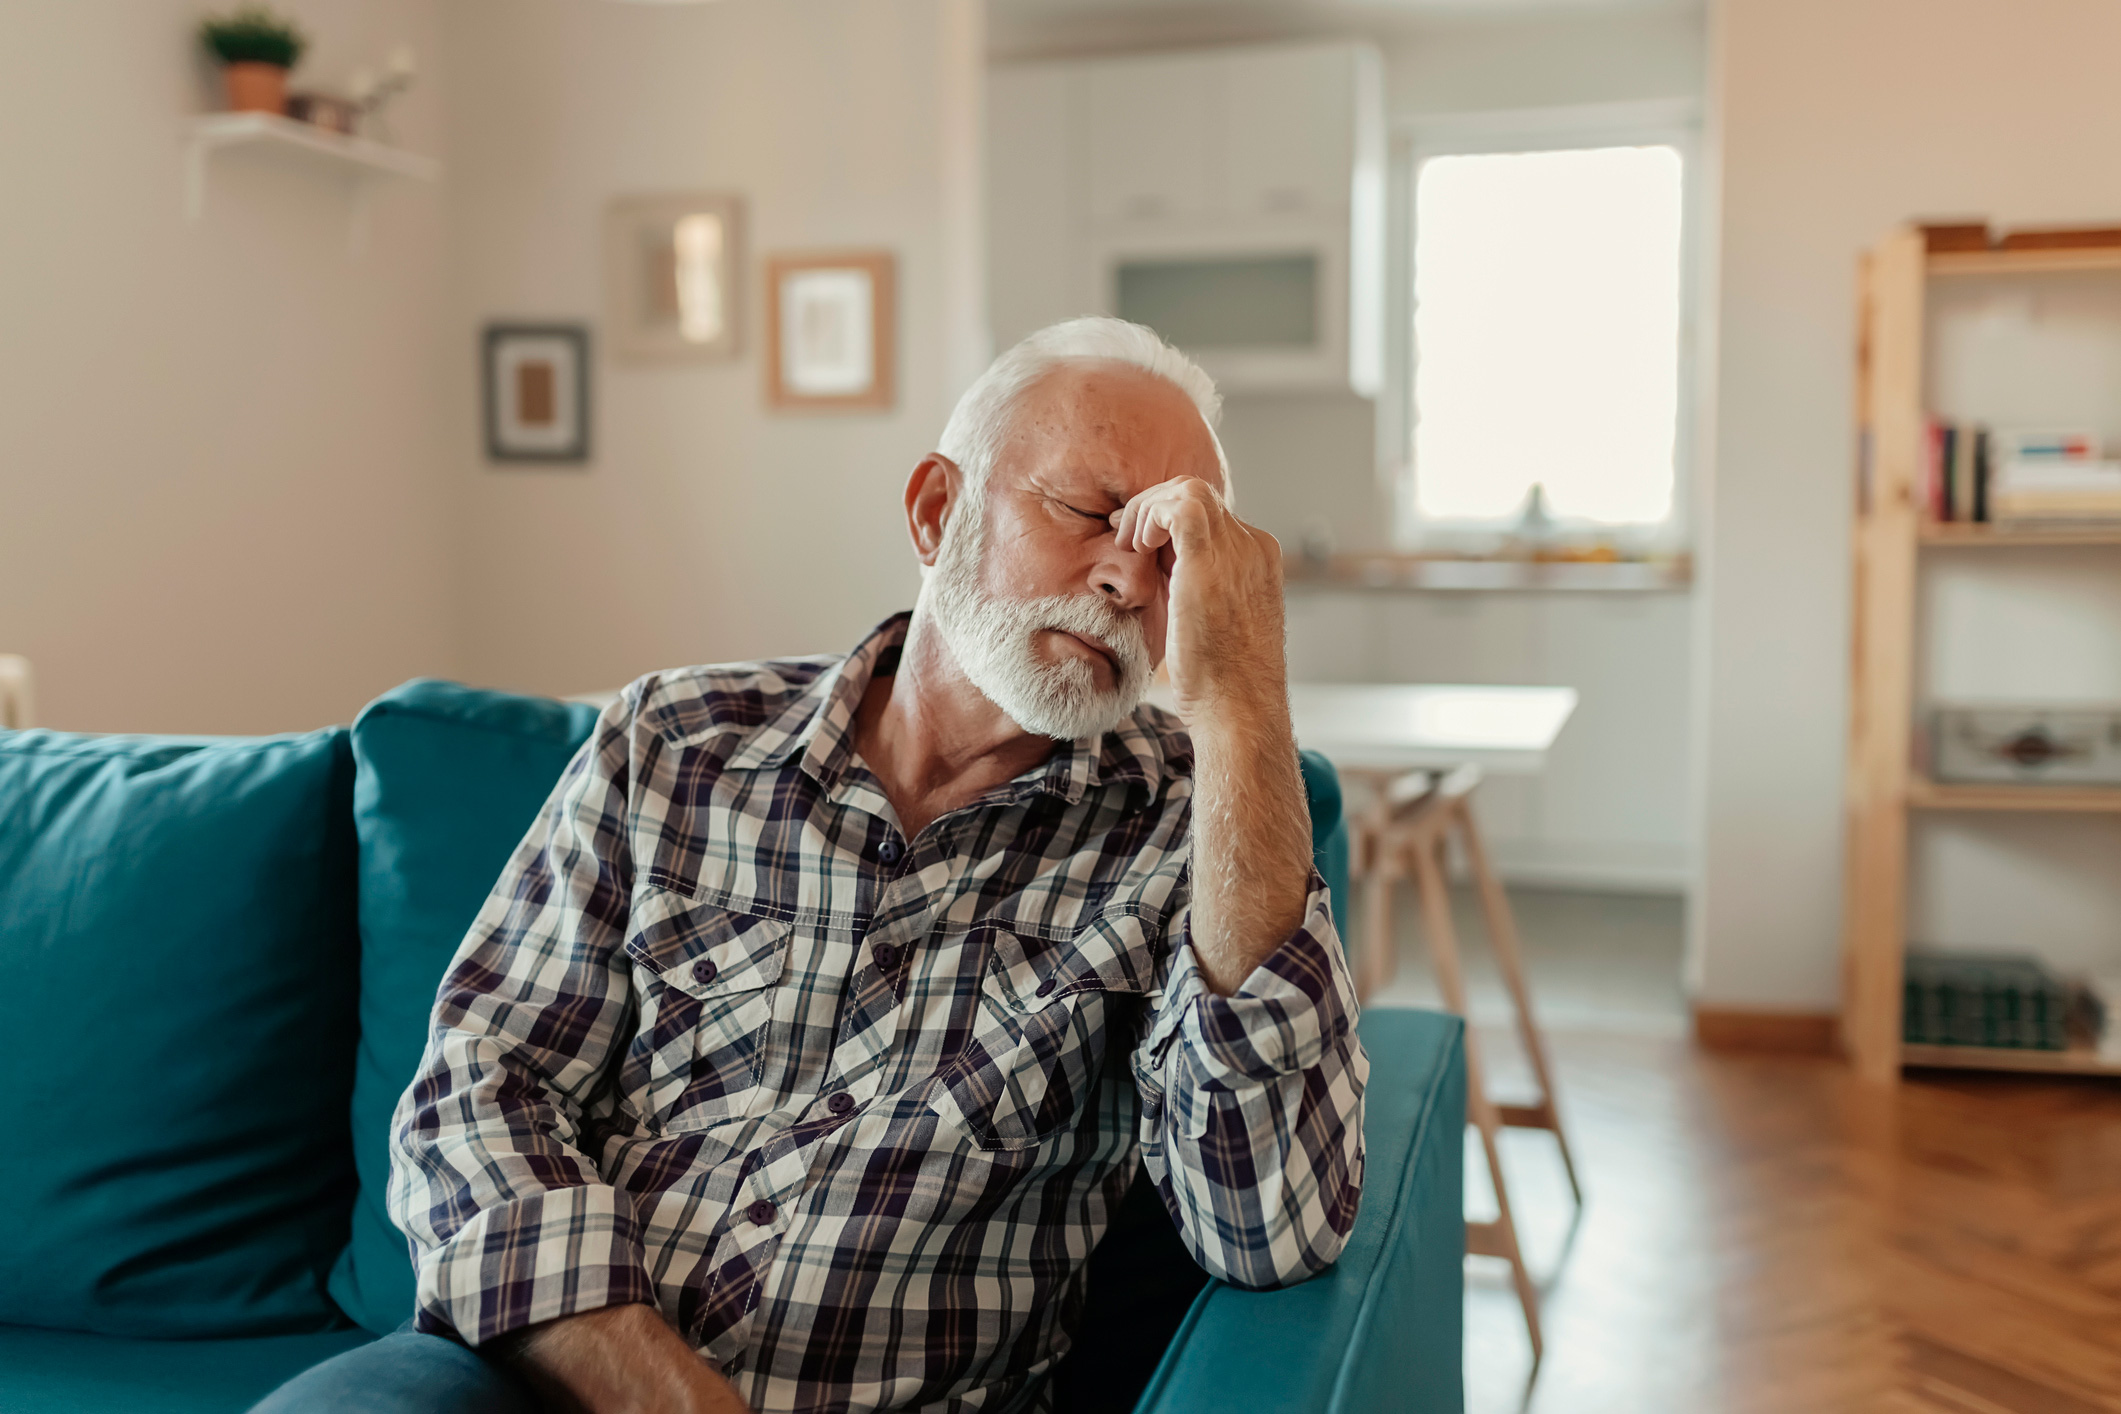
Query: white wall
1835, 126
706, 527
219, 501
1474, 61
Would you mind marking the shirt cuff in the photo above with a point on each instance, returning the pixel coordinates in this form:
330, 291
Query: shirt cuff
1294, 1005
550, 1254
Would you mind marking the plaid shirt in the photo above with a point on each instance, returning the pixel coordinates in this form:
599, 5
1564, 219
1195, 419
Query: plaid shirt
850, 1109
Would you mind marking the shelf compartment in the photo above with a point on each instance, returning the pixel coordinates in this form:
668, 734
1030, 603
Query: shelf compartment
2077, 1060
1926, 794
1975, 535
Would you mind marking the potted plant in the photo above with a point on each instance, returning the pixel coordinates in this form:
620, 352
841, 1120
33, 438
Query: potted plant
256, 49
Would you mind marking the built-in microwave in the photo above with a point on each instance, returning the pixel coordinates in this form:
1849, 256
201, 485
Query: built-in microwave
1261, 310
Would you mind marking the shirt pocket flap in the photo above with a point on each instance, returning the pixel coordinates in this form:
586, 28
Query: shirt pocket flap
708, 952
1112, 953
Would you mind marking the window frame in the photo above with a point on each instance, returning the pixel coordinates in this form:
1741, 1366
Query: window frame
1665, 123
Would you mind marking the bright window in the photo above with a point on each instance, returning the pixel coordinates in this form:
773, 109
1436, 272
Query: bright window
1546, 334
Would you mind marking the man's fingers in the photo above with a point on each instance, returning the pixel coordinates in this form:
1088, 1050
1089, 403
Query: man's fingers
1163, 514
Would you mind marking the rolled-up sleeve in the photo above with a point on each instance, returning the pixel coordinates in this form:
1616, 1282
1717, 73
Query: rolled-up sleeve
1252, 1105
510, 1222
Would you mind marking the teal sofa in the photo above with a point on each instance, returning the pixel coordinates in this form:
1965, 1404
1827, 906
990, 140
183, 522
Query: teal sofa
216, 962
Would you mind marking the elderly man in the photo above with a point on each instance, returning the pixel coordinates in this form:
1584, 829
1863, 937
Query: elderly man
801, 1054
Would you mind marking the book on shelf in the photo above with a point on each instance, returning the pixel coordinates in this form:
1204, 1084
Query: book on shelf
2042, 490
2019, 476
1955, 481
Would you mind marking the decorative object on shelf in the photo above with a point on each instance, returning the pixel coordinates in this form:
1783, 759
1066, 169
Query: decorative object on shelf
256, 49
537, 392
2040, 745
831, 329
671, 288
2014, 1003
322, 110
373, 93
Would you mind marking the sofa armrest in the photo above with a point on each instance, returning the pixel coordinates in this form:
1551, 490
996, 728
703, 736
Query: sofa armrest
1383, 1329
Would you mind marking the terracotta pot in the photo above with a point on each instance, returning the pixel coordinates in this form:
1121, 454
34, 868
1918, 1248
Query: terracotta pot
256, 88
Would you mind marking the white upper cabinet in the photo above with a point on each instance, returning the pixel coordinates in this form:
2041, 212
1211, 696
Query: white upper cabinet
1289, 120
1153, 138
1229, 198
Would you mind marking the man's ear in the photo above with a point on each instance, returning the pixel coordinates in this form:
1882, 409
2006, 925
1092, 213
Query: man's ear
931, 494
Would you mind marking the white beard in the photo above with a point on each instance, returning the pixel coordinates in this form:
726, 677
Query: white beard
995, 641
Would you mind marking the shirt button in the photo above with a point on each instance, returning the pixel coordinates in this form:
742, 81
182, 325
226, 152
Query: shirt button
890, 851
886, 957
760, 1212
840, 1103
703, 971
1045, 988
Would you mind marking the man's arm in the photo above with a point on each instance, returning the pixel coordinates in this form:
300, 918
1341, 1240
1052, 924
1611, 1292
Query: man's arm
1251, 1072
518, 1239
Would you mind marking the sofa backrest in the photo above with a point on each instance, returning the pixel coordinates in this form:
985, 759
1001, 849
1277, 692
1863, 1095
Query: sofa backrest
178, 975
449, 780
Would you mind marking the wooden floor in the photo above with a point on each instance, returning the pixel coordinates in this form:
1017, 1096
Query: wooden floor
1765, 1234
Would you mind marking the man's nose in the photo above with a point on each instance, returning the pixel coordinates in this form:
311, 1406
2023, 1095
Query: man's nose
1128, 578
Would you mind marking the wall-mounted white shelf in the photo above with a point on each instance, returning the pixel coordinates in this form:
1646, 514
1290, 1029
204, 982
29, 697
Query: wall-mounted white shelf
268, 134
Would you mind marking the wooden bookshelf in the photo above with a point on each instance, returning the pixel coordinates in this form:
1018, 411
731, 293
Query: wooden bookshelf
1892, 531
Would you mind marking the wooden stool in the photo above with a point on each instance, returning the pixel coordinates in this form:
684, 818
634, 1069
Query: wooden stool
1406, 831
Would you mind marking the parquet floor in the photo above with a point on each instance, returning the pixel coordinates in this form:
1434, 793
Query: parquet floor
1765, 1234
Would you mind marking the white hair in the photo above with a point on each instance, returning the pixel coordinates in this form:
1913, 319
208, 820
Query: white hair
979, 425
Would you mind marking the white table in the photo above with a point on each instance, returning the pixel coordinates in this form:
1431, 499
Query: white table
1379, 727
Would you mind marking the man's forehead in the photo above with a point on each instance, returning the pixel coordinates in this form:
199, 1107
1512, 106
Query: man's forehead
1111, 426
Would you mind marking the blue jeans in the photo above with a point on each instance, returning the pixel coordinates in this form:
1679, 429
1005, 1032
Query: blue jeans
405, 1372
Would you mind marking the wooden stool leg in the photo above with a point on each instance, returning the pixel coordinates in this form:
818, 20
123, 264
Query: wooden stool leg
1502, 936
1380, 950
1498, 1238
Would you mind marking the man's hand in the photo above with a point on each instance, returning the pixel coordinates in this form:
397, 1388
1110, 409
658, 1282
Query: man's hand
618, 1360
1223, 626
1223, 642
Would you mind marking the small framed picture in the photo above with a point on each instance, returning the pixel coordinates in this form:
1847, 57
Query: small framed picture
537, 392
831, 329
670, 270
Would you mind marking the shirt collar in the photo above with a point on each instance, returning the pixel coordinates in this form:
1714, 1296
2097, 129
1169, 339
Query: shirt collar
816, 729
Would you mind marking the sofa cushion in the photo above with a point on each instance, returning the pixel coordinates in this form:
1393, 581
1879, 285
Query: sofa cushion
449, 781
177, 970
65, 1372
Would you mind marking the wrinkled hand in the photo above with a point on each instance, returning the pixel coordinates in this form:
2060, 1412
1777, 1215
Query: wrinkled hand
617, 1360
1223, 630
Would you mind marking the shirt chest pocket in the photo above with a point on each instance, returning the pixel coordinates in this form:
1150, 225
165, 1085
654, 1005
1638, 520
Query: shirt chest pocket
706, 979
1048, 1012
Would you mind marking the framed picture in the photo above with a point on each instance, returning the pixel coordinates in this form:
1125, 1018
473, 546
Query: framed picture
671, 291
537, 392
831, 329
